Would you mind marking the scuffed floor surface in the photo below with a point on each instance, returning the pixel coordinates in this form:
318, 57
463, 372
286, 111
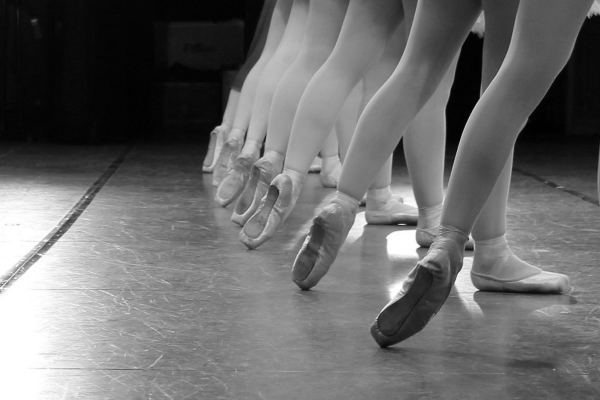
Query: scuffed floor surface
146, 292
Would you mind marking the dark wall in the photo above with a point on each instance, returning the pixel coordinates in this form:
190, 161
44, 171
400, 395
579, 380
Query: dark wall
86, 68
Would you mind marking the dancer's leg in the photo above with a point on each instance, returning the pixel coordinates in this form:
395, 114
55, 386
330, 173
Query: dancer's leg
495, 267
286, 54
543, 39
277, 27
435, 39
425, 65
381, 207
322, 28
365, 30
220, 133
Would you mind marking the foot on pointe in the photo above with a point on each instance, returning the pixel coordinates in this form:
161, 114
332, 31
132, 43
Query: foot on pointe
382, 209
231, 149
217, 139
261, 175
497, 269
235, 181
423, 292
327, 234
274, 209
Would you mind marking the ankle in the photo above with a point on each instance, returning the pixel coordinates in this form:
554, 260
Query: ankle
429, 219
252, 147
275, 158
345, 200
329, 163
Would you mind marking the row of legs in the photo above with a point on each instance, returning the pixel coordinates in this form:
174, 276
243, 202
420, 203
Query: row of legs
393, 64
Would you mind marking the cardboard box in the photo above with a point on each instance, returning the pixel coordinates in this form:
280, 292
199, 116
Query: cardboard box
199, 45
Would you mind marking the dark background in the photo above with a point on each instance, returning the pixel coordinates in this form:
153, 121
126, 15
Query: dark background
77, 71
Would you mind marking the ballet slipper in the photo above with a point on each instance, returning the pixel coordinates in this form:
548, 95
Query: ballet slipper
274, 209
423, 292
327, 234
382, 209
497, 269
235, 181
231, 149
330, 171
262, 174
316, 165
217, 139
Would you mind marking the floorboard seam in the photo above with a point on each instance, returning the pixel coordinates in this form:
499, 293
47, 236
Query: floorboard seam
554, 185
64, 225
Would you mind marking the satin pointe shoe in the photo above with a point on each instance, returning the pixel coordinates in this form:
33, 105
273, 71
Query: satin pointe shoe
262, 174
235, 181
217, 139
331, 169
274, 208
231, 149
423, 292
325, 238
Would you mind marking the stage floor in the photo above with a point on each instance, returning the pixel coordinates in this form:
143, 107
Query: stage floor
122, 279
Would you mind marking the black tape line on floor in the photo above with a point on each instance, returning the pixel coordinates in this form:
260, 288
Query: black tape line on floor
572, 192
64, 225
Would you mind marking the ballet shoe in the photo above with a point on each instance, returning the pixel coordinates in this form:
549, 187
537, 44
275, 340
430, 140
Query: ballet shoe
543, 282
426, 237
496, 269
423, 292
316, 165
325, 238
235, 181
262, 174
217, 138
330, 171
231, 149
274, 209
389, 211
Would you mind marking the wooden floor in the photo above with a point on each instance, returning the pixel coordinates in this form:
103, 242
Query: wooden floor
122, 279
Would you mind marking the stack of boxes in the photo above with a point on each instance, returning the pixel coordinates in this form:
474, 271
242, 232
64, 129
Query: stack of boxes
193, 63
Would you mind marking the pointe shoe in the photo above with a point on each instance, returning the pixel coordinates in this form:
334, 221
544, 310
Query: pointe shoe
327, 235
423, 292
274, 209
330, 171
262, 174
382, 209
217, 139
426, 237
542, 282
235, 181
231, 149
